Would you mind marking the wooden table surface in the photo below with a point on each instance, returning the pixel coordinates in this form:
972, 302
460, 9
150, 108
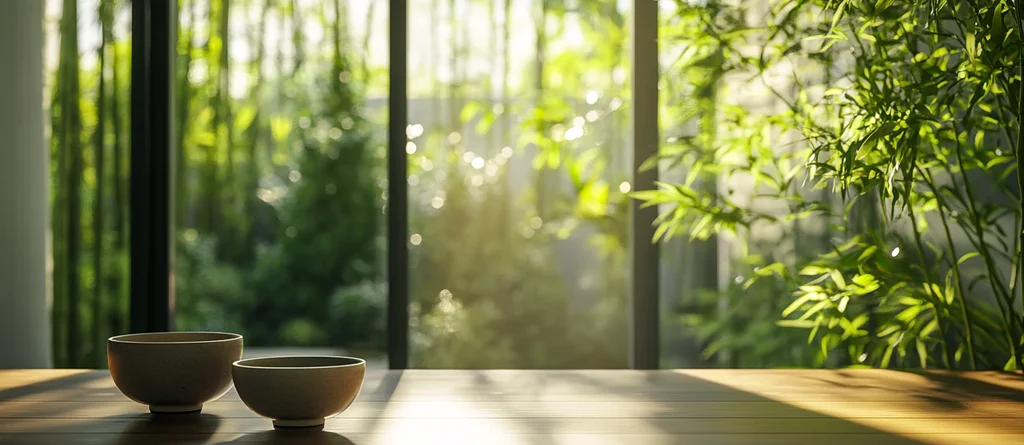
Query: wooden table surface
742, 407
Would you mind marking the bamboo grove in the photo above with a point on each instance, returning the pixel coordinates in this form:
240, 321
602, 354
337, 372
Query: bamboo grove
89, 148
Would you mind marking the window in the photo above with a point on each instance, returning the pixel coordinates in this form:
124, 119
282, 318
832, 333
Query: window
453, 181
518, 149
517, 179
280, 178
277, 200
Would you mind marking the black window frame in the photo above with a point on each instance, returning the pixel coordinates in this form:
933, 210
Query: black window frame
154, 30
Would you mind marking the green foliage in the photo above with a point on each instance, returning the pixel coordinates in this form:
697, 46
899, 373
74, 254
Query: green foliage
884, 121
494, 299
736, 324
328, 242
305, 255
209, 295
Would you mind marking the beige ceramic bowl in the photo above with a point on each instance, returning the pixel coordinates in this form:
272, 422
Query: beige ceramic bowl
173, 372
298, 391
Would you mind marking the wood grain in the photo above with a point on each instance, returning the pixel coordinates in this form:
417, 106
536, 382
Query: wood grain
557, 407
331, 438
543, 409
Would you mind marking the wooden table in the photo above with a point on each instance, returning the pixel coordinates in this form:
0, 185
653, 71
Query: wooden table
742, 407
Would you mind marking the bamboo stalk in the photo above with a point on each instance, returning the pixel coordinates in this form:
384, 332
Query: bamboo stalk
184, 98
996, 283
59, 152
229, 235
72, 133
118, 317
1020, 172
254, 131
939, 309
964, 312
98, 210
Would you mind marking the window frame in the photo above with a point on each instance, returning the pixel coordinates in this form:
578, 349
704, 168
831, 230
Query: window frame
154, 30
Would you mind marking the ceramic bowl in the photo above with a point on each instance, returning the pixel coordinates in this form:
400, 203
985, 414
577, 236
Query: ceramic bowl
173, 372
298, 391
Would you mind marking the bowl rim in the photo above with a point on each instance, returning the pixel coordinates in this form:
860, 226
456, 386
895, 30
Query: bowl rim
355, 362
125, 338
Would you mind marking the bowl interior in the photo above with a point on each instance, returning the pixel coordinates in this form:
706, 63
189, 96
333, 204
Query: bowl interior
175, 337
300, 362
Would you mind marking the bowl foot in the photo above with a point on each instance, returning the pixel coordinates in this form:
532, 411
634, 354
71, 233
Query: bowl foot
299, 423
175, 409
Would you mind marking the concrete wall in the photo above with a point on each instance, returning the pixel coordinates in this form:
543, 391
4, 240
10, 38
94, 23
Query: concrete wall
24, 220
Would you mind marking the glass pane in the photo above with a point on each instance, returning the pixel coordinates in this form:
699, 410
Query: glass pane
280, 176
715, 128
87, 62
519, 163
689, 267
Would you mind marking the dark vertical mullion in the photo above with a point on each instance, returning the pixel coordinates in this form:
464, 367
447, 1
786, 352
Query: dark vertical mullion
398, 202
644, 332
153, 30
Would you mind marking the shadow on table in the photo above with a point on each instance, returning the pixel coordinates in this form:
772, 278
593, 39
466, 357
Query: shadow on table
275, 437
999, 385
68, 382
664, 395
166, 428
383, 391
948, 390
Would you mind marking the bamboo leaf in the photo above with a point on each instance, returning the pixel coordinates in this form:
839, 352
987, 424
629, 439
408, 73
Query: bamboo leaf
967, 256
280, 127
485, 122
922, 353
838, 14
814, 309
796, 304
867, 253
813, 270
887, 357
802, 324
837, 277
469, 111
245, 117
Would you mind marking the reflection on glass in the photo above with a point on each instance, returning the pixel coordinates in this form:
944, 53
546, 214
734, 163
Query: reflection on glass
518, 143
280, 172
713, 316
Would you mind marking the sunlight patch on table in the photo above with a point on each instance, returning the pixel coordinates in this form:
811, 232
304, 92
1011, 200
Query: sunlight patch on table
404, 422
925, 422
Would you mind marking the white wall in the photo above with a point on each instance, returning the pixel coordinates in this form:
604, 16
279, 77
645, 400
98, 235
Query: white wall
24, 221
